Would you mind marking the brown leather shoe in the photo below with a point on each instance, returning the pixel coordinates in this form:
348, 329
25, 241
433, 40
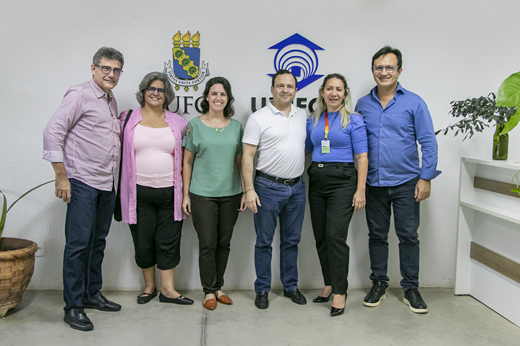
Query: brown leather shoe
224, 299
210, 304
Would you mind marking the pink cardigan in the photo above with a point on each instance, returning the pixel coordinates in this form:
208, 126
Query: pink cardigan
128, 191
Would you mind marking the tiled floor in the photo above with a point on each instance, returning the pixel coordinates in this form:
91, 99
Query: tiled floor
451, 320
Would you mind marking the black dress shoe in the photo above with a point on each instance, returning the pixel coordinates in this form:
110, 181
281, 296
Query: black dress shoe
296, 296
77, 319
144, 297
336, 312
262, 300
320, 299
101, 303
182, 300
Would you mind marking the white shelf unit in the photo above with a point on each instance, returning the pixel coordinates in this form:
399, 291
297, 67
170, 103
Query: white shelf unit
491, 220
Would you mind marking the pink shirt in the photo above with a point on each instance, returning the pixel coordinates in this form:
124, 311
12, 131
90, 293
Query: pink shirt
154, 153
128, 192
83, 133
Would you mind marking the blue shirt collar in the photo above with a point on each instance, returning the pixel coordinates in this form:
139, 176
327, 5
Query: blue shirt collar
399, 90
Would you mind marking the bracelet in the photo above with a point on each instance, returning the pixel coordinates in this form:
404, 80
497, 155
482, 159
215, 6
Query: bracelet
251, 188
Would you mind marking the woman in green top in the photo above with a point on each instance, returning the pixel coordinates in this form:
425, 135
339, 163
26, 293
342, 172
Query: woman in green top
212, 185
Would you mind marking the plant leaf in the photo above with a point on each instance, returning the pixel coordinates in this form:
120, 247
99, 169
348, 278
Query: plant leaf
509, 91
513, 121
4, 212
31, 190
517, 190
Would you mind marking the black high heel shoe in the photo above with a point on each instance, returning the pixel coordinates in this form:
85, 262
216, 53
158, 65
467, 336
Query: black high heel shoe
336, 312
320, 299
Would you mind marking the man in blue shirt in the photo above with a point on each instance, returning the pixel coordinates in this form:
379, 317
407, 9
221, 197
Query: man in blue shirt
396, 119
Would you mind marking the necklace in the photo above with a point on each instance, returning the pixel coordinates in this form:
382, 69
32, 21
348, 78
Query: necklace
216, 127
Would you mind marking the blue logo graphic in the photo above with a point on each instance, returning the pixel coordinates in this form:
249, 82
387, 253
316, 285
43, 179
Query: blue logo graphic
298, 55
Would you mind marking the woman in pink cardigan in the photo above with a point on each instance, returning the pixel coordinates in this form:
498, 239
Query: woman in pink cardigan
151, 185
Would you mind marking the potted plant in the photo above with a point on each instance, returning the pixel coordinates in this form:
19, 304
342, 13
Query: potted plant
16, 262
477, 113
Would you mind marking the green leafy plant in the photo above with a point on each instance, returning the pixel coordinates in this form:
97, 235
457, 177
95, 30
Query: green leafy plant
509, 96
5, 210
502, 108
477, 114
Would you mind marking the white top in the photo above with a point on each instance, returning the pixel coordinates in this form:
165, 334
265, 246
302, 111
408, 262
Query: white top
280, 140
154, 156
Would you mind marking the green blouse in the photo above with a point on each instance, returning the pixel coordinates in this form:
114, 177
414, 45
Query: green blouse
215, 173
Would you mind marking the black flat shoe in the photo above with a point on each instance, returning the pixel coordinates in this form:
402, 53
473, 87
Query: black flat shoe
76, 318
336, 312
144, 297
320, 299
182, 300
296, 296
101, 303
262, 300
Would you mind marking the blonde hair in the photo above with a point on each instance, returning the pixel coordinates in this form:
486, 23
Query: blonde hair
346, 104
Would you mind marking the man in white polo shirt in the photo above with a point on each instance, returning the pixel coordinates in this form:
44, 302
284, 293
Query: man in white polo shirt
277, 134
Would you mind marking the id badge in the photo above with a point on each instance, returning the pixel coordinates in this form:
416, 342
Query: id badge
325, 146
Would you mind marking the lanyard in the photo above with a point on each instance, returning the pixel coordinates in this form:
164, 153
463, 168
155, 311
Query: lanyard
327, 128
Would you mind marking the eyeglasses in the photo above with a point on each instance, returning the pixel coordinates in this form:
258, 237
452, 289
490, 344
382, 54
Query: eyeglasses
108, 69
151, 90
389, 68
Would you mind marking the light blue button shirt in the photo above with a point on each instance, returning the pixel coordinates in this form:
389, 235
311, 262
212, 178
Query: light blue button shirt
393, 133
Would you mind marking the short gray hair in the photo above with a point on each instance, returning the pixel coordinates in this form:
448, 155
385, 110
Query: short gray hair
108, 53
169, 94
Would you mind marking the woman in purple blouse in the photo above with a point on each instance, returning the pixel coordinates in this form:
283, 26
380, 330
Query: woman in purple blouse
336, 138
151, 186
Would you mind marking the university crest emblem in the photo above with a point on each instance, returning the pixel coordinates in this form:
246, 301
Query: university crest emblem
185, 69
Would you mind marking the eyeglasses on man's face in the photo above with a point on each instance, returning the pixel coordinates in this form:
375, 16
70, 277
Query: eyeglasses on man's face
389, 68
108, 69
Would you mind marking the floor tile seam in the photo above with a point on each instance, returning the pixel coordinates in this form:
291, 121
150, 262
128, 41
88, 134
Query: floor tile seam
203, 336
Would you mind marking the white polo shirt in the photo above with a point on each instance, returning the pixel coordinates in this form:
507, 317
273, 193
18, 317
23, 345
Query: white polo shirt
280, 140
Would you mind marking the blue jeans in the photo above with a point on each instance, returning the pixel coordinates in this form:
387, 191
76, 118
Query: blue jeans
406, 222
89, 215
288, 204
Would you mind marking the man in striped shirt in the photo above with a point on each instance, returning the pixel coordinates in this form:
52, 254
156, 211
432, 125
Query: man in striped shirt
82, 142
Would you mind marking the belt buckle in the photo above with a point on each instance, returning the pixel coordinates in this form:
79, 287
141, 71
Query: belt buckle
321, 165
287, 182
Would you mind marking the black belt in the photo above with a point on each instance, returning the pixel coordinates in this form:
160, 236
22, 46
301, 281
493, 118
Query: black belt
288, 182
333, 164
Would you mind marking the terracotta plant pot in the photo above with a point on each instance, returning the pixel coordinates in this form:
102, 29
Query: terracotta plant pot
16, 270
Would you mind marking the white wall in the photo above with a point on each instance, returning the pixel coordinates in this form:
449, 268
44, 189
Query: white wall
452, 50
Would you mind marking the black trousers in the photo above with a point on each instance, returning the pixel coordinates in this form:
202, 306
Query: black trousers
157, 236
214, 219
331, 190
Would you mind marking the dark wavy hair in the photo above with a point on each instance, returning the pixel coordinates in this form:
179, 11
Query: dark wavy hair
229, 111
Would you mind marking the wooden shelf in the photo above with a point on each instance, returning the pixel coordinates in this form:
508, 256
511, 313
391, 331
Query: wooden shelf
494, 163
493, 211
488, 234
